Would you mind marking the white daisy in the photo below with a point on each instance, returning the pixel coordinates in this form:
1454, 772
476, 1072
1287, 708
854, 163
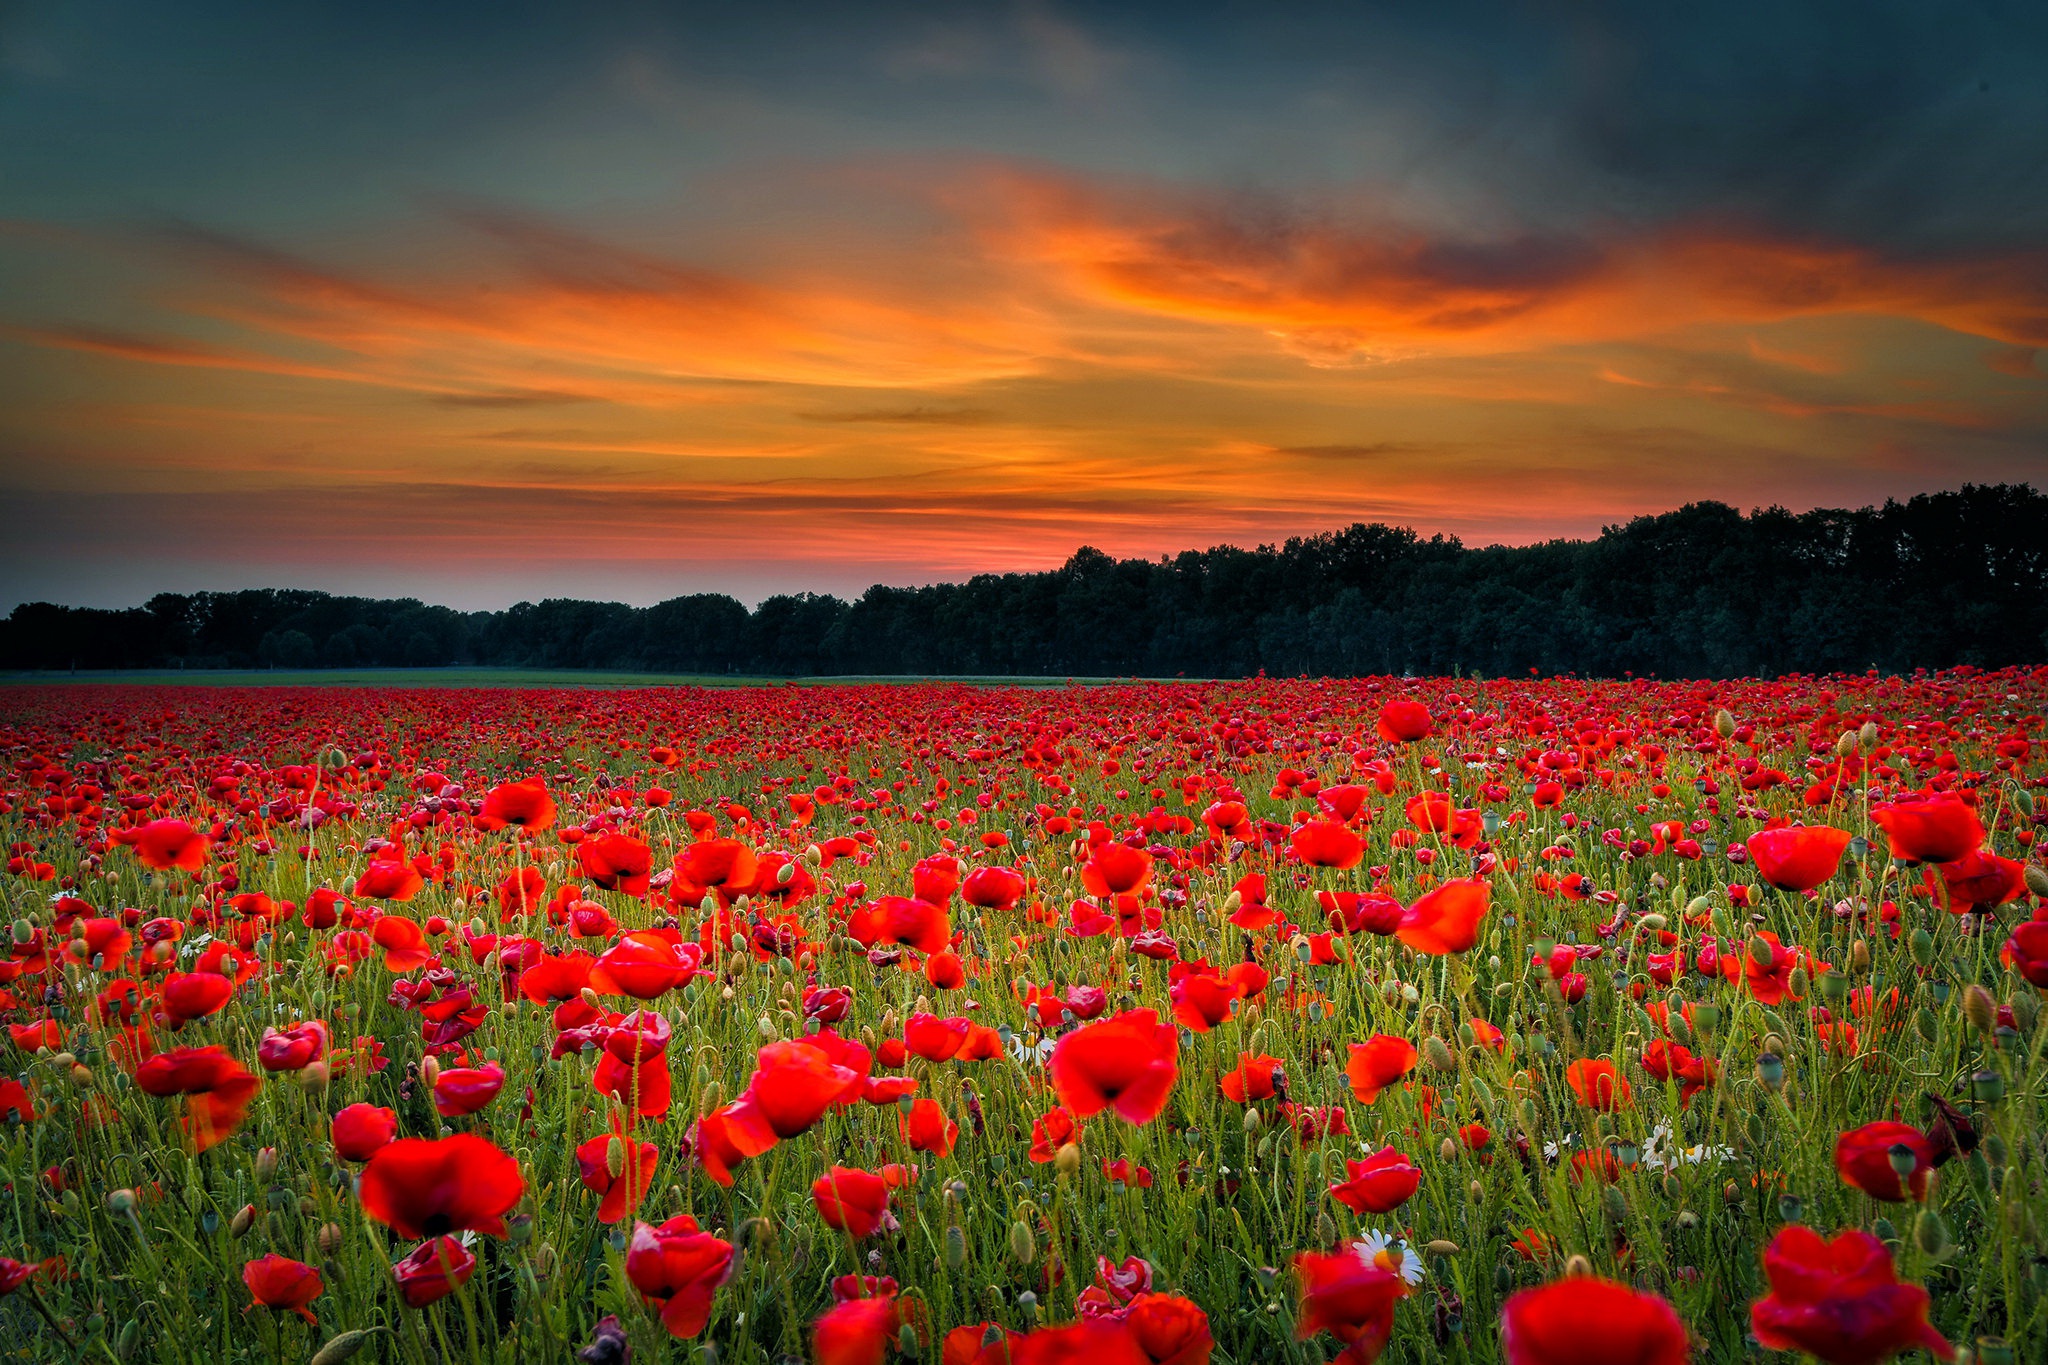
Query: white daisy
1375, 1248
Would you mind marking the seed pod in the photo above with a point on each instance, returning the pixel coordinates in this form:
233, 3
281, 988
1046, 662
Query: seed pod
1987, 1087
340, 1347
1834, 987
1979, 1008
1023, 1246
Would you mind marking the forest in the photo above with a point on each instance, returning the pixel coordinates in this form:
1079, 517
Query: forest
1937, 580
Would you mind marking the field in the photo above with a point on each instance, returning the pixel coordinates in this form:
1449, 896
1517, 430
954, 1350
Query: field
1541, 1021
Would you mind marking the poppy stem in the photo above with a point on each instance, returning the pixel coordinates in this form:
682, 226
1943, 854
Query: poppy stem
36, 1298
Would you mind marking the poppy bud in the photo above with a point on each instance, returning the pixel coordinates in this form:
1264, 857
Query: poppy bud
814, 855
709, 1097
266, 1164
1922, 944
1846, 745
1724, 723
1437, 1055
1617, 1205
1027, 1303
328, 1239
1859, 957
1448, 1151
2037, 879
1790, 1207
244, 1219
1930, 1234
340, 1347
81, 1076
430, 1070
1068, 1159
1705, 1018
23, 931
1326, 1228
1979, 1008
785, 874
2026, 1010
1797, 982
1761, 952
1023, 1246
1867, 736
130, 1338
956, 1248
1577, 1267
121, 1201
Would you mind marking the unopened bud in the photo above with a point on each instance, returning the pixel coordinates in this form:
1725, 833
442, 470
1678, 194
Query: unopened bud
1437, 1055
1577, 1267
1979, 1008
1023, 1246
2037, 879
1931, 1234
430, 1070
340, 1347
266, 1164
1067, 1160
244, 1219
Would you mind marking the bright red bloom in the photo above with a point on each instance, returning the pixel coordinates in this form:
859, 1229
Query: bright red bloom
1381, 1183
725, 866
217, 1090
934, 1039
1202, 1001
280, 1282
645, 965
619, 1193
165, 844
14, 1274
362, 1130
525, 804
1863, 1159
728, 1136
1346, 1295
1403, 722
1980, 880
1841, 1301
404, 943
927, 1129
1326, 843
295, 1048
1116, 870
1050, 1131
857, 1332
1128, 1062
1447, 919
680, 1267
852, 1199
1930, 829
901, 919
1169, 1330
460, 1090
422, 1187
993, 888
1598, 1084
1252, 1079
1798, 858
2026, 951
1591, 1321
795, 1083
390, 879
616, 862
433, 1271
194, 995
1377, 1063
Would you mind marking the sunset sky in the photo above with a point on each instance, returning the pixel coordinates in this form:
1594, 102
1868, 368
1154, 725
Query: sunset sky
477, 304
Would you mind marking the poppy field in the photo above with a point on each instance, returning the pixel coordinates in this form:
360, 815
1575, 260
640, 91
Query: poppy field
1544, 1021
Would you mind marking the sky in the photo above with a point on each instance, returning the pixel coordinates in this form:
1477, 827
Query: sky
486, 303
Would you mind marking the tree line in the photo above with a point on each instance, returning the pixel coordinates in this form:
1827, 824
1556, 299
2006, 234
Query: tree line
1705, 591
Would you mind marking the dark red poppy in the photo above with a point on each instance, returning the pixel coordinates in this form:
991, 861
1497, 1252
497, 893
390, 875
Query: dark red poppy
1127, 1062
1381, 1183
993, 888
1841, 1301
1797, 858
1447, 919
295, 1048
433, 1271
1348, 1296
217, 1090
362, 1130
1377, 1063
851, 1199
1587, 1320
679, 1267
1863, 1158
616, 862
645, 964
166, 844
279, 1282
525, 804
421, 1187
2026, 951
194, 995
1930, 828
460, 1090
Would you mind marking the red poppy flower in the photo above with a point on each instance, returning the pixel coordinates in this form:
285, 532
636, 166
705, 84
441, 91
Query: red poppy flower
15, 1104
557, 976
1377, 1063
618, 1170
645, 965
525, 804
217, 1090
295, 1048
794, 1084
14, 1274
927, 1129
857, 1332
1381, 1183
1325, 843
166, 844
2026, 951
390, 879
725, 866
404, 943
1403, 722
1930, 829
433, 1271
901, 919
993, 888
1127, 1062
362, 1130
1050, 1131
851, 1199
280, 1282
194, 995
1841, 1301
1980, 880
1447, 919
1587, 1320
1252, 1079
1169, 1330
460, 1090
934, 1039
728, 1136
1116, 870
680, 1267
1598, 1084
616, 862
1202, 1001
421, 1187
1863, 1158
1797, 858
1345, 1294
